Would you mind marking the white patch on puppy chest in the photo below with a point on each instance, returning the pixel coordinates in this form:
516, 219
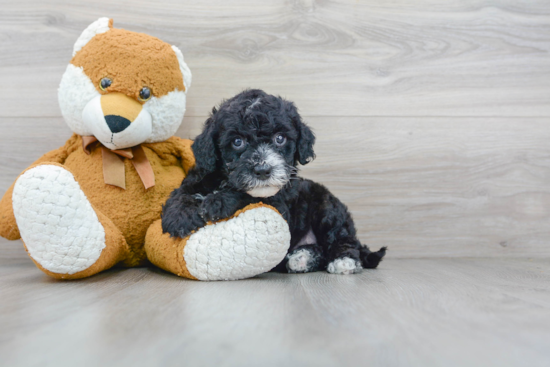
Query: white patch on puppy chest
344, 265
57, 222
263, 192
298, 261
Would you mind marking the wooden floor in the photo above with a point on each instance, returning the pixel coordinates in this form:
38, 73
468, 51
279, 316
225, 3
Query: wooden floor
409, 312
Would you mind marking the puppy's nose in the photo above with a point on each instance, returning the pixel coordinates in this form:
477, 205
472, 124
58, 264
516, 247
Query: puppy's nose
117, 123
262, 171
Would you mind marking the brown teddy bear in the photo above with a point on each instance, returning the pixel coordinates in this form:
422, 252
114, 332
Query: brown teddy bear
96, 201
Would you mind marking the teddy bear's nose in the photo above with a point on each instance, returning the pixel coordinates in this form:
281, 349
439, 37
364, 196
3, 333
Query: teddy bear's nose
119, 110
117, 123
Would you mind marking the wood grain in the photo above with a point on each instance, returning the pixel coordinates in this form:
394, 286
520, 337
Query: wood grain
402, 96
432, 119
424, 187
334, 58
409, 312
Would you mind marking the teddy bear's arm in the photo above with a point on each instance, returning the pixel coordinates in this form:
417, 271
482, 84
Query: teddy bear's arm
8, 226
185, 153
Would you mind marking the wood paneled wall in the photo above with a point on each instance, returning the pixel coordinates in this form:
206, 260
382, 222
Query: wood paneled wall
432, 117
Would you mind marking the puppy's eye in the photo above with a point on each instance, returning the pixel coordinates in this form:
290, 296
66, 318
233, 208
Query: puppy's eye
105, 83
238, 143
144, 94
280, 139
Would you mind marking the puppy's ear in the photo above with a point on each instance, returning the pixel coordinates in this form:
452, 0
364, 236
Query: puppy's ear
306, 140
205, 149
304, 151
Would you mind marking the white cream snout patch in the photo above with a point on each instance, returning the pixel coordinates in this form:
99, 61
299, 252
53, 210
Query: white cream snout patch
265, 155
138, 132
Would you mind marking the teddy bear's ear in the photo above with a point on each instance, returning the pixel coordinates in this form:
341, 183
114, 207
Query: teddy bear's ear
101, 25
183, 68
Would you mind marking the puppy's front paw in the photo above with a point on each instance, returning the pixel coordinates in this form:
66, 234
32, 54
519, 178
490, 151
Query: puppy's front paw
184, 230
182, 224
182, 227
214, 208
344, 265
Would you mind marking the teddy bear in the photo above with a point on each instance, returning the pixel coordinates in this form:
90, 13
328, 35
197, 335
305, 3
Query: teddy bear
96, 202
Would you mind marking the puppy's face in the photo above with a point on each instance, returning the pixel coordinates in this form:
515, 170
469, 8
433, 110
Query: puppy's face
256, 140
257, 150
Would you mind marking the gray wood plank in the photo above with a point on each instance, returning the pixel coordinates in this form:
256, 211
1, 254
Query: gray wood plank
409, 312
425, 187
467, 177
335, 58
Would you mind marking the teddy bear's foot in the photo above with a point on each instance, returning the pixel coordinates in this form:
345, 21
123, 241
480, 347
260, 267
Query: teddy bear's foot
251, 242
61, 230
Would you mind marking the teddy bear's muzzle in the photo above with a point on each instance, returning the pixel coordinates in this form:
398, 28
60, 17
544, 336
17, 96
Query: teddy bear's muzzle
119, 111
117, 120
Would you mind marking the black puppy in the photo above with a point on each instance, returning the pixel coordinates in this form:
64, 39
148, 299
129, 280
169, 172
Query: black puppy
248, 152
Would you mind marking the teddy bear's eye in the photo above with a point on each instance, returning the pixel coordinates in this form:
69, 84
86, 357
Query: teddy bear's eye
144, 94
105, 83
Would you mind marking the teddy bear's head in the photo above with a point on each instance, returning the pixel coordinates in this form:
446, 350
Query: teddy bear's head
124, 88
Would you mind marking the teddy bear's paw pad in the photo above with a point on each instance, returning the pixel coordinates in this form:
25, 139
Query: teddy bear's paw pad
57, 222
252, 243
345, 265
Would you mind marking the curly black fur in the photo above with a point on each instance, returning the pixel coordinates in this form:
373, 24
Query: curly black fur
238, 153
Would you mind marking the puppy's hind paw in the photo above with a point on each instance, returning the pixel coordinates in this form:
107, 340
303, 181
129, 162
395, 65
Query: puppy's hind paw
301, 261
344, 265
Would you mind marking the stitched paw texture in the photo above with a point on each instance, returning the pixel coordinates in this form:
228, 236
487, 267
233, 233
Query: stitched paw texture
57, 222
252, 243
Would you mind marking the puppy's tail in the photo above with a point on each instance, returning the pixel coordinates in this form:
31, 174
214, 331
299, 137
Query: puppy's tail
369, 259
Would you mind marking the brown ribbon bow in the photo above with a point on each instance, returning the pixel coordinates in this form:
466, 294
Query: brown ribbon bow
113, 166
